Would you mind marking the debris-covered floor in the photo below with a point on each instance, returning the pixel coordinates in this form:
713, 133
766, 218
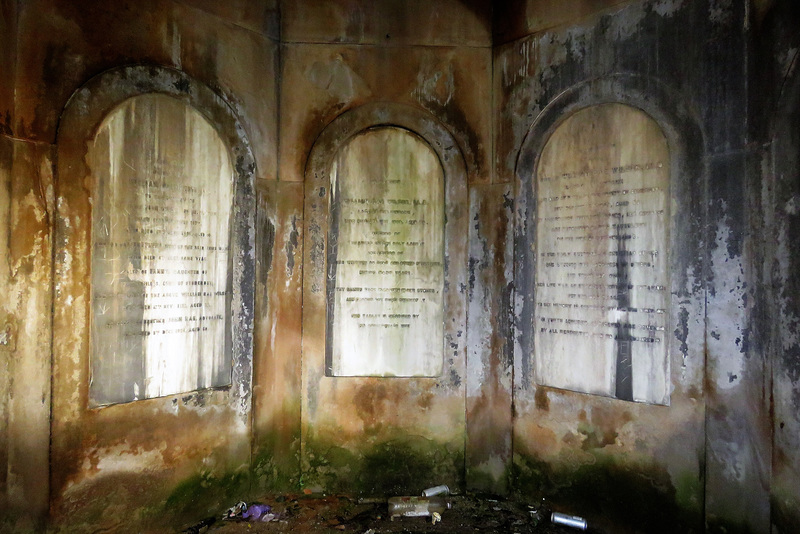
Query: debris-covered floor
333, 514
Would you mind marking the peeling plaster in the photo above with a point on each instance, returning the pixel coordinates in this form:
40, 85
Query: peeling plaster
666, 8
337, 79
719, 11
733, 457
725, 313
627, 23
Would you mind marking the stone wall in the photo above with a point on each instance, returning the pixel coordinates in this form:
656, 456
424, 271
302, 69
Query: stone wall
485, 86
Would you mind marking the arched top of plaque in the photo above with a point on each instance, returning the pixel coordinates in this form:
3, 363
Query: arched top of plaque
163, 161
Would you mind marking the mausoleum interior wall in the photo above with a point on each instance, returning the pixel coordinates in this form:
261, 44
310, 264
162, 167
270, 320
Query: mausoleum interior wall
602, 451
8, 30
776, 312
58, 48
26, 208
368, 433
497, 79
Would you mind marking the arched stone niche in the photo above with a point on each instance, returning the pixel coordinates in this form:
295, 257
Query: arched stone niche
136, 145
607, 179
373, 154
387, 190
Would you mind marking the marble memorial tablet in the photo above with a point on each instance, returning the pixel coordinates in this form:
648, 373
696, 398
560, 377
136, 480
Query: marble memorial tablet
386, 259
601, 302
163, 185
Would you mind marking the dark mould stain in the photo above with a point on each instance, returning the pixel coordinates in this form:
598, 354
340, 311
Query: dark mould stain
508, 202
791, 362
542, 400
291, 245
317, 244
745, 340
243, 169
682, 331
5, 125
624, 358
473, 263
454, 378
182, 85
321, 192
715, 334
265, 236
452, 115
732, 377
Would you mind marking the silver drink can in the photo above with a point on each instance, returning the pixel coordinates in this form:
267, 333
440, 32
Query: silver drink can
568, 520
436, 490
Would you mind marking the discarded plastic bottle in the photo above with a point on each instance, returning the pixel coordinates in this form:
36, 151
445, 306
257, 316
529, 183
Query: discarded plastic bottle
568, 520
436, 490
416, 506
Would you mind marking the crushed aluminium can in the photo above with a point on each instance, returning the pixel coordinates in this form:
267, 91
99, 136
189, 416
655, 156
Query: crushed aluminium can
568, 520
436, 490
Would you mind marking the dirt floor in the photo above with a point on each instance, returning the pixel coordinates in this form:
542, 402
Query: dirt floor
335, 514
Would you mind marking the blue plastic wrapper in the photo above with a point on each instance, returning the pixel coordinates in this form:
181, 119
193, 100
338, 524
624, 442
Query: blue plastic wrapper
255, 511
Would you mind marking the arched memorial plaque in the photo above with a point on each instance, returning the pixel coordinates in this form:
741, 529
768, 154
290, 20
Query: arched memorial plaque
161, 288
601, 279
386, 257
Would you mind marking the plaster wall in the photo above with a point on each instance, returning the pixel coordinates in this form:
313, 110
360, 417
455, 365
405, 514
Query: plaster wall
776, 302
699, 463
496, 79
8, 31
377, 435
59, 48
26, 208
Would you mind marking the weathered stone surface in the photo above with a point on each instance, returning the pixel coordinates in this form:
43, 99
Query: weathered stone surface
386, 257
26, 211
388, 22
777, 298
188, 440
260, 17
447, 82
62, 45
278, 336
726, 445
602, 219
517, 18
161, 217
396, 426
8, 63
490, 346
609, 450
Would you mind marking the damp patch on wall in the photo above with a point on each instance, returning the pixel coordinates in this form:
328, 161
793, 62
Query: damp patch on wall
601, 278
